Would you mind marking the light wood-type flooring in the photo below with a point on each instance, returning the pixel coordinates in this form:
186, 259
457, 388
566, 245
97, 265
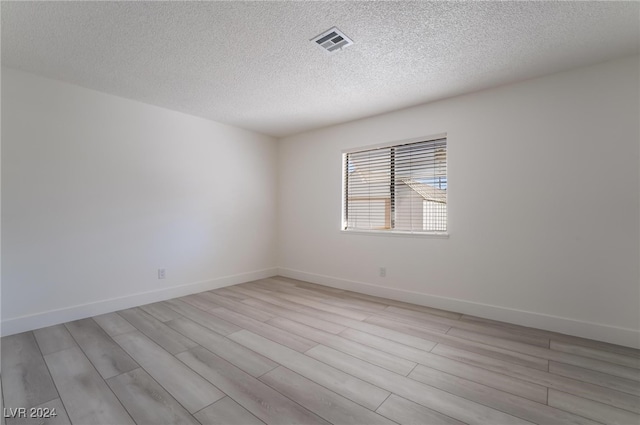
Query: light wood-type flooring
282, 351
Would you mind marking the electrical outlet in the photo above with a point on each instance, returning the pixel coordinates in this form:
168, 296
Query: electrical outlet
383, 272
162, 273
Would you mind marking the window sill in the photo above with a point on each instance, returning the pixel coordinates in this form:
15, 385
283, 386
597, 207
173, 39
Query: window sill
439, 235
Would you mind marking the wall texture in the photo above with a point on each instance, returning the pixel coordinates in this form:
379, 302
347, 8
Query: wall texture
98, 192
543, 206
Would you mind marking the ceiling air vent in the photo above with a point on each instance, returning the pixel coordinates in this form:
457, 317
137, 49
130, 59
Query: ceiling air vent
332, 40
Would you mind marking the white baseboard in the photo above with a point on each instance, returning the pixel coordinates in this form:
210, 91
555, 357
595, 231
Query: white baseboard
54, 317
615, 335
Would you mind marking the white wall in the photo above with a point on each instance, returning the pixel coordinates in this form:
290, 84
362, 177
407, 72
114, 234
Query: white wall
543, 206
98, 192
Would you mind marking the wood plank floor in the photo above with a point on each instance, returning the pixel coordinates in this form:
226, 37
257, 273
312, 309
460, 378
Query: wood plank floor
282, 351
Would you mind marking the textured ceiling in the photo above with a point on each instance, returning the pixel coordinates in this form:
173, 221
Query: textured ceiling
251, 64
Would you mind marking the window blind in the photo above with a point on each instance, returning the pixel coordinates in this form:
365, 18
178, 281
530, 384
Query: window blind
397, 188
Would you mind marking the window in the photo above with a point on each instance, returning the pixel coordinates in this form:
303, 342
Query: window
399, 188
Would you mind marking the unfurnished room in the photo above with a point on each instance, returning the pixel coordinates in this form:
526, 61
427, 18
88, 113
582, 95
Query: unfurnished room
320, 212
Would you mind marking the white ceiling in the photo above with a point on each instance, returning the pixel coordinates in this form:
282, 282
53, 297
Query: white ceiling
251, 64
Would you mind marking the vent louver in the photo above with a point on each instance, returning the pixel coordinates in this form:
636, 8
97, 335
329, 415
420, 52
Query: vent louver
332, 40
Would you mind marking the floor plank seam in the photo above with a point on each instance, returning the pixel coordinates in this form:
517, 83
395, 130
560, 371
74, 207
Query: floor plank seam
423, 383
535, 382
346, 373
120, 401
210, 404
253, 332
471, 400
53, 380
604, 387
97, 371
589, 418
94, 367
167, 390
294, 401
412, 369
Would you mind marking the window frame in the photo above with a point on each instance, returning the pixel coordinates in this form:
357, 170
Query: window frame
390, 232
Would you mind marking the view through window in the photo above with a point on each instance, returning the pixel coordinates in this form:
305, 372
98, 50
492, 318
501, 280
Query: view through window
400, 188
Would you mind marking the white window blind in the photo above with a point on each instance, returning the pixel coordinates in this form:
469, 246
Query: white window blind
399, 188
